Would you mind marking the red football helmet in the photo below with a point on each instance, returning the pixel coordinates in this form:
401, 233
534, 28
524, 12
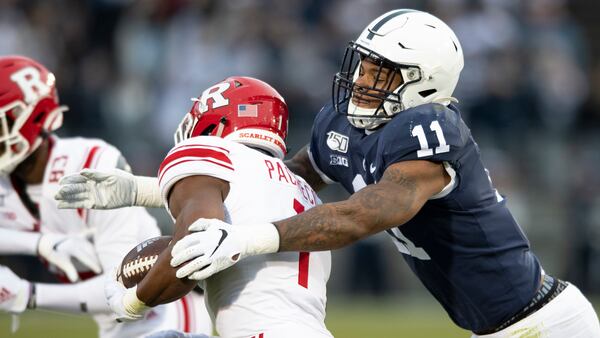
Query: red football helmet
29, 108
242, 109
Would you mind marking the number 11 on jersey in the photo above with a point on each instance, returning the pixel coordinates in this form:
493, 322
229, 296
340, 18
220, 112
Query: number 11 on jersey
419, 133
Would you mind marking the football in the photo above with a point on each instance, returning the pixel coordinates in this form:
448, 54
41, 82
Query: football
140, 259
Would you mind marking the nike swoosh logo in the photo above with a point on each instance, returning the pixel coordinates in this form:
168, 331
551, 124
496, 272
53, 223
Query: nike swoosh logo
372, 168
224, 235
58, 243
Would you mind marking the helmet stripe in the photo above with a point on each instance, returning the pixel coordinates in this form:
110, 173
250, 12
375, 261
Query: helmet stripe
382, 22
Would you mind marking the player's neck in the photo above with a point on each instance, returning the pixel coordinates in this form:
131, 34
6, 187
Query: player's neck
31, 170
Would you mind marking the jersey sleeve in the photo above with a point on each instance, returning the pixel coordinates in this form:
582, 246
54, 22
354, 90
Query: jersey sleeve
202, 155
429, 132
314, 153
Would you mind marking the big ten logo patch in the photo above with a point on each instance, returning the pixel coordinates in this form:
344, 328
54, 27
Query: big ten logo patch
337, 142
57, 168
338, 160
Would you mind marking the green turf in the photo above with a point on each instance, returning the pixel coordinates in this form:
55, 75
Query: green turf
37, 324
413, 318
416, 317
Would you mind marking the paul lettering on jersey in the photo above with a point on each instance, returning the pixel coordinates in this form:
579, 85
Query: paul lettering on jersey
279, 172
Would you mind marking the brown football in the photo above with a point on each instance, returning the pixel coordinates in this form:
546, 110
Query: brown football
140, 259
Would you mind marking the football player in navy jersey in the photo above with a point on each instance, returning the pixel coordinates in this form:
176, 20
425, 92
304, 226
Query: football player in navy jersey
394, 139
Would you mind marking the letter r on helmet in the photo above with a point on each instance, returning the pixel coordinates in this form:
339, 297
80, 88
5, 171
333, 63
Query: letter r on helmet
31, 84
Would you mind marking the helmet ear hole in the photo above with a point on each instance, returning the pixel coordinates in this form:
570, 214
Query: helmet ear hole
39, 117
425, 93
208, 130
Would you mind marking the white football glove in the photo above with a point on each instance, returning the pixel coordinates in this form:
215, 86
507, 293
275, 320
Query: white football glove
14, 291
60, 250
124, 302
94, 189
215, 245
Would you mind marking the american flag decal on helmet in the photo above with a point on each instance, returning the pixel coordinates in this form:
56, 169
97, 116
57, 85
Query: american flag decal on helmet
247, 110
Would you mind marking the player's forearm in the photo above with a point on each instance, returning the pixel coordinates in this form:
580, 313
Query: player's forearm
159, 286
325, 227
83, 297
334, 225
13, 242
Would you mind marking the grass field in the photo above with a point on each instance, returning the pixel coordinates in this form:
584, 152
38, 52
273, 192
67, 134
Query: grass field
385, 318
348, 319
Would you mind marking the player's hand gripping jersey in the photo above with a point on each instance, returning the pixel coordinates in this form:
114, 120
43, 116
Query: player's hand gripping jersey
464, 244
279, 294
33, 209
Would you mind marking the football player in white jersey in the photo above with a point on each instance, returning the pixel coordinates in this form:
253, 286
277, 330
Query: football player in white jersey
81, 246
227, 163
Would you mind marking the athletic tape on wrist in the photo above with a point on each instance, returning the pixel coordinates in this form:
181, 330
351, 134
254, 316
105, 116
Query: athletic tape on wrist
147, 192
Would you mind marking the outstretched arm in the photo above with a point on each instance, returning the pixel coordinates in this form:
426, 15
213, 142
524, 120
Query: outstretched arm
400, 194
402, 191
107, 189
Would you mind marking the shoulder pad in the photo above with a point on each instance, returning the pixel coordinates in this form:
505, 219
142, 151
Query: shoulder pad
430, 132
201, 155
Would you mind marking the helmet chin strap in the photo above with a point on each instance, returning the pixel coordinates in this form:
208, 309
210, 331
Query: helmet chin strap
221, 126
372, 117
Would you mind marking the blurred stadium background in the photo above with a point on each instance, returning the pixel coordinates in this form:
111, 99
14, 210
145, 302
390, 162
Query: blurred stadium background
530, 91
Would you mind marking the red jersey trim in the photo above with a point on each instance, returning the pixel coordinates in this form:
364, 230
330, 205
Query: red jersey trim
86, 165
186, 146
171, 165
195, 153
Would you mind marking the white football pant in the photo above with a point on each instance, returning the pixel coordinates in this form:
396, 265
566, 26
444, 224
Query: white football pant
569, 315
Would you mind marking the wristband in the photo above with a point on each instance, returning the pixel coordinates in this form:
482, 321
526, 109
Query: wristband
132, 304
262, 239
147, 192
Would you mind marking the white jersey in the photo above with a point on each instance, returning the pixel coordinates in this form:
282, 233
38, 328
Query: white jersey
115, 231
276, 295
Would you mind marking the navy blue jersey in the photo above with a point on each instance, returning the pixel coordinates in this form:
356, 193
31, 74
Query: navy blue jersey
464, 245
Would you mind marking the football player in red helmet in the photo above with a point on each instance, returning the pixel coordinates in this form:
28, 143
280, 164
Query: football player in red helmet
236, 117
227, 163
79, 246
29, 109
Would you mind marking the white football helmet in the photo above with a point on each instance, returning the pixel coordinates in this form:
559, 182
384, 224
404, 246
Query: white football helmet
418, 46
